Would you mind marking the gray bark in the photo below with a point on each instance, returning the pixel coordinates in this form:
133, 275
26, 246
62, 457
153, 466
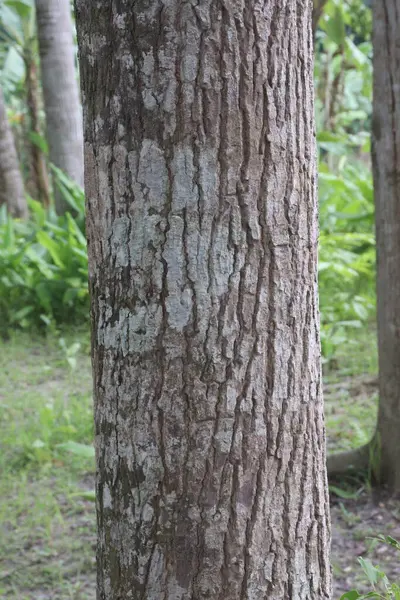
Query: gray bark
60, 90
11, 182
386, 172
202, 235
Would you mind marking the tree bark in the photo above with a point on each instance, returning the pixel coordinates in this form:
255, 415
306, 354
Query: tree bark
202, 238
40, 185
11, 182
60, 91
386, 173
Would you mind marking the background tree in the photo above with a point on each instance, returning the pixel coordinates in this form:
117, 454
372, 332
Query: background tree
318, 9
202, 233
19, 43
39, 183
386, 174
382, 453
11, 183
60, 90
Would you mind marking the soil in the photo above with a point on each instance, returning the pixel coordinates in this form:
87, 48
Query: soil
355, 524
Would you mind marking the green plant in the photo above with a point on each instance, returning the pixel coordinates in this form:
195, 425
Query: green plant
343, 86
43, 265
377, 579
346, 255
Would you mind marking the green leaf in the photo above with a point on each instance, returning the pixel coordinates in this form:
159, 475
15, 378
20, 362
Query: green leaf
14, 67
78, 449
343, 493
22, 7
373, 573
51, 245
354, 54
39, 141
19, 315
88, 495
335, 27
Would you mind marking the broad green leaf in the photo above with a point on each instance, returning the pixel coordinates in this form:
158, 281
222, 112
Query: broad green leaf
22, 7
39, 141
335, 27
373, 573
78, 449
50, 245
352, 595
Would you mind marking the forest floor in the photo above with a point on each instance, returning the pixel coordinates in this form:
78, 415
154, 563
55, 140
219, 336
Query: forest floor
47, 517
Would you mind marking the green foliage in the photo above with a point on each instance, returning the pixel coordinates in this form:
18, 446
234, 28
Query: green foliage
343, 79
43, 265
347, 254
343, 84
380, 585
46, 418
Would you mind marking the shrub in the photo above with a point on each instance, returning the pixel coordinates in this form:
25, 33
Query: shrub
43, 265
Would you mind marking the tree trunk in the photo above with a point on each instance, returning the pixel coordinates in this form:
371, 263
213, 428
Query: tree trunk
318, 9
40, 185
202, 237
11, 182
386, 172
60, 91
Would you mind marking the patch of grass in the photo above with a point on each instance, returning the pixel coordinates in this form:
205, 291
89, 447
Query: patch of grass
351, 393
47, 533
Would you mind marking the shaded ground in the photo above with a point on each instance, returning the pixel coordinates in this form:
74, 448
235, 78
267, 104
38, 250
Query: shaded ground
354, 523
47, 527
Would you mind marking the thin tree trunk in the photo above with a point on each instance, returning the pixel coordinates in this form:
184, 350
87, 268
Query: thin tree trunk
202, 237
40, 185
386, 172
60, 91
11, 182
318, 9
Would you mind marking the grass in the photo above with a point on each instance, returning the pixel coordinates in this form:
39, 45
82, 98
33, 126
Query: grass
47, 529
351, 393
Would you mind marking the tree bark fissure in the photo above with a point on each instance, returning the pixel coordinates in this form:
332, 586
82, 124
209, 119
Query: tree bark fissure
386, 173
202, 241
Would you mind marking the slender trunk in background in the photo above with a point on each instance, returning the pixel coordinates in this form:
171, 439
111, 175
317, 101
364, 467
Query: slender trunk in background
39, 185
318, 9
60, 91
202, 237
11, 182
386, 173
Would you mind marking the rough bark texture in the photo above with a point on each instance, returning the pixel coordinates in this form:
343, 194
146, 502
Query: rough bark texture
386, 172
39, 184
11, 183
202, 233
60, 91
